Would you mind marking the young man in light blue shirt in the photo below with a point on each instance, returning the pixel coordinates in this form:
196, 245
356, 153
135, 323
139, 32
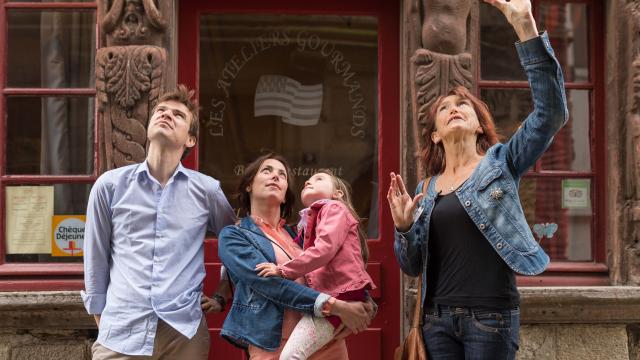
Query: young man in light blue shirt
144, 250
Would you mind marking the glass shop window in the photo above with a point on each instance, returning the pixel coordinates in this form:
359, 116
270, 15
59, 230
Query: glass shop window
49, 137
303, 86
559, 194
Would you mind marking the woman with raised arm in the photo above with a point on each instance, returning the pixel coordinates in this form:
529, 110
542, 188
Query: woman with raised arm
465, 230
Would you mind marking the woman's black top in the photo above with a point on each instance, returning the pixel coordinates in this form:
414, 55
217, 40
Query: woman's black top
463, 269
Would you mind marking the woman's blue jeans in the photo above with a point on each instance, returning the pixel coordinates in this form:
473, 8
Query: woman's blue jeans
470, 334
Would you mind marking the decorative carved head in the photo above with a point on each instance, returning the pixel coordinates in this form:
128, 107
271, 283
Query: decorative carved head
131, 22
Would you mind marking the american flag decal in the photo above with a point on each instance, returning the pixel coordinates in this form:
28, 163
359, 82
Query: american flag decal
282, 96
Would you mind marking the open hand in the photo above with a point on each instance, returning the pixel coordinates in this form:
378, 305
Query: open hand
519, 15
268, 269
401, 204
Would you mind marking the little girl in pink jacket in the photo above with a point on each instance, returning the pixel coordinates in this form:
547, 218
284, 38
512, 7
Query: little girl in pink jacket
333, 260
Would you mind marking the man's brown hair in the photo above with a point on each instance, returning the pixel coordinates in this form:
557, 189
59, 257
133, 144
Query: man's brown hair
183, 95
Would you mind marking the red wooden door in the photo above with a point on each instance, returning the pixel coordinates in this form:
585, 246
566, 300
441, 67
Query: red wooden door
224, 134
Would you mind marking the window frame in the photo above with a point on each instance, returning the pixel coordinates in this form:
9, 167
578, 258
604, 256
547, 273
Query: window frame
584, 273
30, 276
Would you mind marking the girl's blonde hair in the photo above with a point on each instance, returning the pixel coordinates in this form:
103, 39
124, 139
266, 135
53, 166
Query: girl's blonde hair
345, 188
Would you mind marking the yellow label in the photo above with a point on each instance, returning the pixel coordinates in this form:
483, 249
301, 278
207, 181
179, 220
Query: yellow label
68, 235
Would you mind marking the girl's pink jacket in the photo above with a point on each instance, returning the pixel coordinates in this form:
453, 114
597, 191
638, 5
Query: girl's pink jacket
331, 261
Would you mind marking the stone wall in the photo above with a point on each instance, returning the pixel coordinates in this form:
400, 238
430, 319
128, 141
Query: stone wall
45, 326
558, 323
580, 323
570, 341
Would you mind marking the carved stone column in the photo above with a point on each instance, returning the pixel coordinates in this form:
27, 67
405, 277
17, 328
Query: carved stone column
130, 75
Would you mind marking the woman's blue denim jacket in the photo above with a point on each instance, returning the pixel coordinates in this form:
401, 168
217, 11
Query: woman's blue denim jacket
490, 195
258, 303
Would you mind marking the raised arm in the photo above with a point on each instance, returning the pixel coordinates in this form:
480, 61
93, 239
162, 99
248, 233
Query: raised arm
547, 88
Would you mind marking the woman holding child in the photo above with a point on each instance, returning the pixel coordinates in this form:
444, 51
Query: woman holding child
268, 303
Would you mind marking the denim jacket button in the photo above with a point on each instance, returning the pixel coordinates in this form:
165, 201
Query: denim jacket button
482, 226
467, 203
499, 246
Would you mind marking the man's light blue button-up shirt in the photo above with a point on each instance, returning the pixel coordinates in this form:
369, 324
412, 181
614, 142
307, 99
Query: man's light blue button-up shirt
144, 253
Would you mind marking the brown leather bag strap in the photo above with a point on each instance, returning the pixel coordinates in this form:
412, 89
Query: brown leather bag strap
417, 312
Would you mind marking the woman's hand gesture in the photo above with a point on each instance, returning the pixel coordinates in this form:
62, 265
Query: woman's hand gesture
519, 15
401, 204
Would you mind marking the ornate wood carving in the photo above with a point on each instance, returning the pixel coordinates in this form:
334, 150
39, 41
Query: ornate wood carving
129, 81
435, 74
129, 75
131, 22
442, 62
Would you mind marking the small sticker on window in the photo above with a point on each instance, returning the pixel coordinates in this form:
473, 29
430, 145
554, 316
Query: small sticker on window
576, 193
68, 235
545, 230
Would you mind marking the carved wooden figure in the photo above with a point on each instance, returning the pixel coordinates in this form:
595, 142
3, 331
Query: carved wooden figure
129, 75
440, 62
131, 22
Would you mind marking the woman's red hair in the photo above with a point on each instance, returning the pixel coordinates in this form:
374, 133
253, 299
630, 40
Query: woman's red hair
433, 154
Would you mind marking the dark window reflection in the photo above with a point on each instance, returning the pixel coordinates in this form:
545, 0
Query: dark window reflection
51, 49
50, 135
509, 108
567, 25
498, 57
571, 147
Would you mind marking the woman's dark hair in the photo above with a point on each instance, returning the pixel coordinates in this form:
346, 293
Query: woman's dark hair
433, 154
250, 171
